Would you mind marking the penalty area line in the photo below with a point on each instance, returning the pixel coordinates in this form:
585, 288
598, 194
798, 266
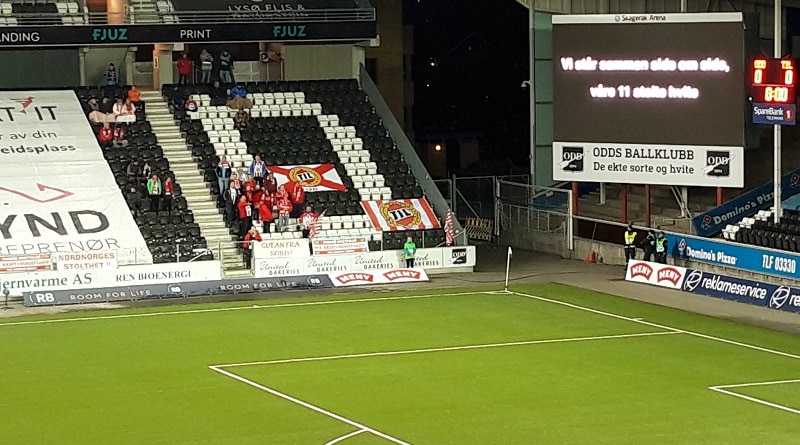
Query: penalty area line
361, 427
722, 390
446, 348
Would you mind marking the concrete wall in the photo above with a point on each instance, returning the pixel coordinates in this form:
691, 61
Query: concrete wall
607, 253
39, 68
391, 76
305, 62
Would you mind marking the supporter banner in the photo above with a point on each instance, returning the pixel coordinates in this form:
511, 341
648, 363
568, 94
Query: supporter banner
458, 256
784, 298
390, 276
85, 261
183, 289
649, 164
739, 256
284, 248
57, 192
402, 214
167, 273
25, 263
336, 246
748, 204
657, 274
313, 177
285, 29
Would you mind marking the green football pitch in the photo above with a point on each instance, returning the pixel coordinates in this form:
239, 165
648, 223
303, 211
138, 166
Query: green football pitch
544, 364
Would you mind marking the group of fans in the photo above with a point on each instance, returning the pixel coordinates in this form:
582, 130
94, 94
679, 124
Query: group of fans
653, 244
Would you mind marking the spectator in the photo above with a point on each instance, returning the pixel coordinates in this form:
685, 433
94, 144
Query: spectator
258, 169
124, 111
112, 79
298, 194
242, 176
106, 135
154, 192
237, 183
106, 106
134, 95
284, 209
226, 67
169, 192
281, 192
307, 219
245, 215
248, 187
184, 69
223, 171
241, 120
270, 183
206, 65
190, 106
119, 137
649, 245
231, 197
92, 106
264, 209
258, 195
237, 98
252, 235
146, 170
134, 170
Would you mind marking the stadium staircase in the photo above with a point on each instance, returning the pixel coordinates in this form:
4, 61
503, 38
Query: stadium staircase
195, 189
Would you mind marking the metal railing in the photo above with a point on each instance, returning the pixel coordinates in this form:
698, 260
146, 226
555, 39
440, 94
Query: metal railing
171, 16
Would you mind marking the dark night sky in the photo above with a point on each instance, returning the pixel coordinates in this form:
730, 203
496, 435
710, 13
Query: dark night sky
480, 50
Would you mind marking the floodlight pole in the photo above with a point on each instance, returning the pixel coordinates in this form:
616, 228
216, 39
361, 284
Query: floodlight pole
777, 37
532, 87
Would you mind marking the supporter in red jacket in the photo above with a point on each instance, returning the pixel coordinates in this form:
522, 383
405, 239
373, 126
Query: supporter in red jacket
245, 212
184, 69
249, 186
284, 209
119, 137
106, 136
282, 192
265, 214
169, 192
307, 219
270, 183
258, 195
298, 194
252, 235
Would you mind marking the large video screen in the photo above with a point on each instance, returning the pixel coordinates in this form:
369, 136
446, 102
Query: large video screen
673, 79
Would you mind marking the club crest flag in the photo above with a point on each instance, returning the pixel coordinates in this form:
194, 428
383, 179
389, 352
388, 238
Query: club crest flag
401, 214
313, 177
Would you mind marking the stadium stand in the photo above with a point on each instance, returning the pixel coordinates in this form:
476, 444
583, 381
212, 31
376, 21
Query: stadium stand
306, 123
761, 230
171, 235
39, 12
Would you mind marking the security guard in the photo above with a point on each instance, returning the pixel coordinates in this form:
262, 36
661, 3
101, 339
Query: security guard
661, 248
409, 252
630, 244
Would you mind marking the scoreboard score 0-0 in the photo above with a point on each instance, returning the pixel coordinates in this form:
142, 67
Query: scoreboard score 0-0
773, 81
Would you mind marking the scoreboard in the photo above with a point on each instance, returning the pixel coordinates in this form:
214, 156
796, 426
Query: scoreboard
773, 81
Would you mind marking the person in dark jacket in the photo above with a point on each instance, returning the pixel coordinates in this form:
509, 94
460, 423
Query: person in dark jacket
231, 197
649, 246
223, 171
662, 246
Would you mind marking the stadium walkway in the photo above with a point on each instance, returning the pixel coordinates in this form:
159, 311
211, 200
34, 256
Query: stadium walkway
526, 267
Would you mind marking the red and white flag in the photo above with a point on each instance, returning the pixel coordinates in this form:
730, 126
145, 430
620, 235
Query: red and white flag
313, 177
449, 232
401, 214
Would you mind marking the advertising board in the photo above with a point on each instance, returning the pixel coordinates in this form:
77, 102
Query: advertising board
387, 276
25, 263
338, 246
283, 248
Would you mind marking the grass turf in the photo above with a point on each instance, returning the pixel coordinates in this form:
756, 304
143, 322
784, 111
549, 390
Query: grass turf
127, 377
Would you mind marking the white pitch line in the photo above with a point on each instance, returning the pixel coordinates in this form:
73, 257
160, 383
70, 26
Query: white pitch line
660, 326
345, 437
237, 308
447, 348
754, 399
309, 406
743, 385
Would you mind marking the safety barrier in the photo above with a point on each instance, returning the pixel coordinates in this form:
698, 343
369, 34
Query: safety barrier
479, 229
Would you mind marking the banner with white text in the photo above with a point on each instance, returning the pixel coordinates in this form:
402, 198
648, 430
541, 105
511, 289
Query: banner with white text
57, 192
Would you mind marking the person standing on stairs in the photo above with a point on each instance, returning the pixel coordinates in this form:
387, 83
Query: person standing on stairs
245, 215
231, 197
223, 171
169, 192
154, 192
184, 69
